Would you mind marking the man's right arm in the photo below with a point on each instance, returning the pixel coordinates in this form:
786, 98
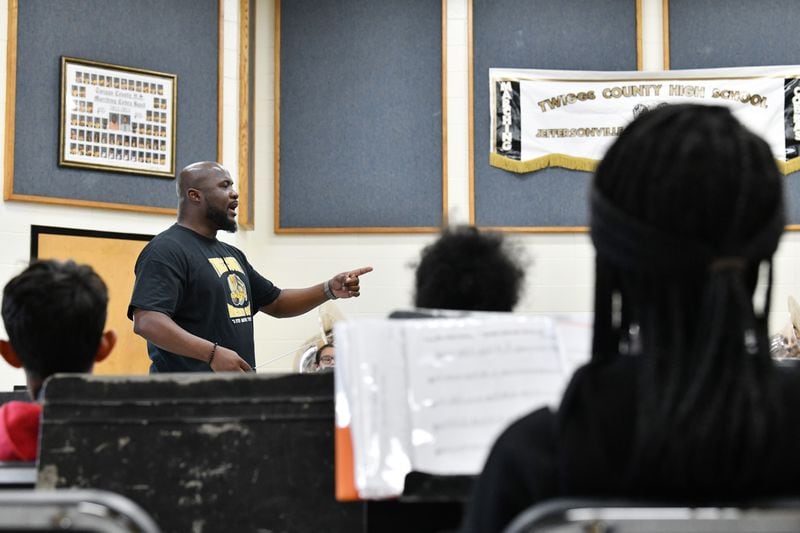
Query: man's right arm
162, 331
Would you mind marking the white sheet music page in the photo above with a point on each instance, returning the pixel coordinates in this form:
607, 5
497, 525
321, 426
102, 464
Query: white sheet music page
370, 368
468, 378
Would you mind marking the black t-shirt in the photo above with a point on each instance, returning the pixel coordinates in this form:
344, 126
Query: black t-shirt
206, 286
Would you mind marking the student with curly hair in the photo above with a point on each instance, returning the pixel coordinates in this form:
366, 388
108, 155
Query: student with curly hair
469, 270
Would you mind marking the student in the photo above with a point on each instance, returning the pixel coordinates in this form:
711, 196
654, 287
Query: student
54, 314
325, 358
681, 400
469, 270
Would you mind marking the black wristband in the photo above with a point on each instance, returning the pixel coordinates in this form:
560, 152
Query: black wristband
328, 292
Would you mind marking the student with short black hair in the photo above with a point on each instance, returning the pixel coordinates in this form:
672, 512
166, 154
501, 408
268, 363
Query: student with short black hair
54, 314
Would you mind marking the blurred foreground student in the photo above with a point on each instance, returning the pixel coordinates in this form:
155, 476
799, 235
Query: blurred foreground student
681, 400
54, 314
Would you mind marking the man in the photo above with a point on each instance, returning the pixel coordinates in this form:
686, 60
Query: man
54, 314
195, 296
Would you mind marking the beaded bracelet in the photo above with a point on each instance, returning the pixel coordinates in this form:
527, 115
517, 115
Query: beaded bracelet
213, 353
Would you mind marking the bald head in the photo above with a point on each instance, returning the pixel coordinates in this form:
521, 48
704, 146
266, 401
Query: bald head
196, 175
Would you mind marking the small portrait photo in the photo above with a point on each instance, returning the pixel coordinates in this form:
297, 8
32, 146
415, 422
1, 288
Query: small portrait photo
90, 107
101, 81
73, 119
97, 122
134, 142
96, 151
160, 89
73, 148
113, 121
163, 159
138, 86
81, 150
81, 135
105, 123
82, 120
94, 79
104, 138
82, 106
127, 141
96, 137
73, 133
141, 157
103, 153
149, 158
125, 122
134, 127
116, 83
124, 84
75, 91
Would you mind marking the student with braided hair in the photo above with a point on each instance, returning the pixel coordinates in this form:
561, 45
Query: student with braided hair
681, 400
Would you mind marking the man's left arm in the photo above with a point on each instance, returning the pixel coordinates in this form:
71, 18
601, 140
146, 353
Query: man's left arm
293, 302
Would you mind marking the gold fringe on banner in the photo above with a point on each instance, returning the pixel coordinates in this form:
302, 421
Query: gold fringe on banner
787, 167
584, 164
550, 160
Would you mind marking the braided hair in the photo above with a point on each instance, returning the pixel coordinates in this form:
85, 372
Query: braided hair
685, 208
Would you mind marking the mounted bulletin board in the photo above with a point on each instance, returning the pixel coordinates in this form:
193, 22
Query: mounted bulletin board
360, 116
541, 34
179, 37
112, 256
698, 34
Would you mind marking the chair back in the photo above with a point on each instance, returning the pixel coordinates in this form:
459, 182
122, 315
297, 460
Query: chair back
86, 511
619, 516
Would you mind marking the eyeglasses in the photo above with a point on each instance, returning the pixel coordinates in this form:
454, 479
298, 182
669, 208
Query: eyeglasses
326, 359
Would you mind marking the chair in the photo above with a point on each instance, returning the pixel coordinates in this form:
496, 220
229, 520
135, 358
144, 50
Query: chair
85, 511
628, 516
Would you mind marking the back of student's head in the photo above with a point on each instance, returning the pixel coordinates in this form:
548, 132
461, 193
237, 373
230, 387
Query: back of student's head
685, 206
54, 314
466, 269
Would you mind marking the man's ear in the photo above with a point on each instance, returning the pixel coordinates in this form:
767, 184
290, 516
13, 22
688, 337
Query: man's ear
107, 342
193, 194
9, 354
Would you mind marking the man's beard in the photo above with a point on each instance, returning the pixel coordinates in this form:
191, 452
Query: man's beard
220, 218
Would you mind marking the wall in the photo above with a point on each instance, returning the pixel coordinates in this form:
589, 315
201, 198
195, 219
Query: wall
559, 280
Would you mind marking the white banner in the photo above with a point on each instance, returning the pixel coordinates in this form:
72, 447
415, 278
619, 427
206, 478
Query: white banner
543, 118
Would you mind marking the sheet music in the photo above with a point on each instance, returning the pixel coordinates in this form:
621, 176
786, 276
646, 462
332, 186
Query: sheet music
433, 394
469, 378
370, 367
